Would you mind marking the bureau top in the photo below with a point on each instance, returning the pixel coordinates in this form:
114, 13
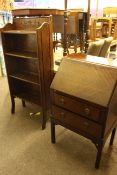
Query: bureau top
89, 81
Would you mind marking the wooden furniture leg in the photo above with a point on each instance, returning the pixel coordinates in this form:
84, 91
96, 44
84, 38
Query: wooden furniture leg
112, 136
99, 153
53, 140
44, 118
43, 123
100, 147
13, 105
23, 103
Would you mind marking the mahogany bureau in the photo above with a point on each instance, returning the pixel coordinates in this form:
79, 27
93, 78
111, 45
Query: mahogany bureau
84, 100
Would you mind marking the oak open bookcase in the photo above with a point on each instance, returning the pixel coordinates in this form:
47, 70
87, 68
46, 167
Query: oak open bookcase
28, 53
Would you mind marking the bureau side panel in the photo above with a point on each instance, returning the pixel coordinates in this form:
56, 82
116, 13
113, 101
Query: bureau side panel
112, 113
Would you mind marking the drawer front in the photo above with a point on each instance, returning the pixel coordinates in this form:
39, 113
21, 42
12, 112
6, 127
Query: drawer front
76, 122
77, 107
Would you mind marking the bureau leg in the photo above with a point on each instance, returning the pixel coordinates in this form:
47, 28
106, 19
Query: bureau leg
23, 103
53, 140
99, 153
112, 136
13, 105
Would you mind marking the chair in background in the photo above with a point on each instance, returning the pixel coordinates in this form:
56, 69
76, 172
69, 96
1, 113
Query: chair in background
95, 47
100, 48
105, 48
100, 27
113, 49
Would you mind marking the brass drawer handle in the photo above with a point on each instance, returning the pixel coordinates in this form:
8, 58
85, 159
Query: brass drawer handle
87, 111
62, 114
86, 124
62, 101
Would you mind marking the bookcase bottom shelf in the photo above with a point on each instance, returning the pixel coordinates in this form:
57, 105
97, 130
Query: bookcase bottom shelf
31, 98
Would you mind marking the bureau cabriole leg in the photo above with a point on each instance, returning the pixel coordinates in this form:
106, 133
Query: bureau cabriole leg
112, 136
99, 153
23, 103
13, 105
53, 140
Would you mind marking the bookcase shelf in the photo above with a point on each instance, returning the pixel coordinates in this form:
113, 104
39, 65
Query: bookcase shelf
30, 78
22, 54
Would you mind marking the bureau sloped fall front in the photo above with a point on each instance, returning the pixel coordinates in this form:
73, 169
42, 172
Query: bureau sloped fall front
27, 47
84, 100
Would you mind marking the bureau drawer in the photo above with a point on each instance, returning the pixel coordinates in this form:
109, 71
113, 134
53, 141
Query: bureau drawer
76, 106
76, 122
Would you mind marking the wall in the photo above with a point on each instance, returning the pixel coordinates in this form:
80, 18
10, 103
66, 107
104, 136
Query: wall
6, 5
60, 3
71, 4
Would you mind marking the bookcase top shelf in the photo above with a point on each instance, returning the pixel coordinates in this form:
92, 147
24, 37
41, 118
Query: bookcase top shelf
20, 32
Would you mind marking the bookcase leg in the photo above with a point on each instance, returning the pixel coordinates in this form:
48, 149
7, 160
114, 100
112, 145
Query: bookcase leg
53, 140
112, 136
23, 103
44, 121
43, 125
13, 105
99, 153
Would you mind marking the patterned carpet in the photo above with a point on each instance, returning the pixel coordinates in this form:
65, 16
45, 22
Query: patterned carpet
27, 150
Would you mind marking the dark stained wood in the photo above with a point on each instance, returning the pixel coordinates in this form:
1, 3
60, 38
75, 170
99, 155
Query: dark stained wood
65, 28
35, 12
74, 121
83, 108
65, 32
28, 52
84, 100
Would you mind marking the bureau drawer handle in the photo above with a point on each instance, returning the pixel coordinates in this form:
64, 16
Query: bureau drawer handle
62, 114
86, 124
87, 111
62, 101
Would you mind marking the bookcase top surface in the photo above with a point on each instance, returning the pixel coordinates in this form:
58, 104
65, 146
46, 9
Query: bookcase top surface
20, 32
25, 25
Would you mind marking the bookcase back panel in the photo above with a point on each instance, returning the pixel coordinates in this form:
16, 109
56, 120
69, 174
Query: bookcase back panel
20, 64
26, 90
20, 42
23, 68
30, 23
